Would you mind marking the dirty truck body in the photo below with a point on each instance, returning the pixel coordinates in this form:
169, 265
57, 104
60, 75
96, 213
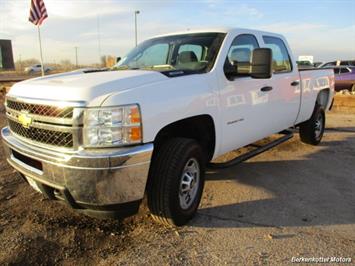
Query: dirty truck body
102, 140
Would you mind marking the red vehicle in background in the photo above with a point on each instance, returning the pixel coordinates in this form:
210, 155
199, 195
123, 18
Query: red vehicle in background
344, 78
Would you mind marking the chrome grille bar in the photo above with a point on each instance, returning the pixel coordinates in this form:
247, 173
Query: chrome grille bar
53, 124
47, 137
40, 109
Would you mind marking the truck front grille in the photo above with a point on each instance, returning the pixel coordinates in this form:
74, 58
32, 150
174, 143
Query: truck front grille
43, 136
46, 123
40, 109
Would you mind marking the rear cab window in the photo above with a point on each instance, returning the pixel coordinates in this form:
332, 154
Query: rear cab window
281, 62
196, 49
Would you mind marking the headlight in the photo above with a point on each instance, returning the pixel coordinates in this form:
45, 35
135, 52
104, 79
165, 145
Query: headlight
112, 126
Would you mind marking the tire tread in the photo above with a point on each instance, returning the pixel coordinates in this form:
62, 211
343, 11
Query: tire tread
163, 170
306, 131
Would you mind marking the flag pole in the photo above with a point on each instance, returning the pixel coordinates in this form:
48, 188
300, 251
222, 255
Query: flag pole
40, 49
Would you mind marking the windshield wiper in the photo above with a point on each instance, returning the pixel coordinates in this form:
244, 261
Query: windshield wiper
159, 67
154, 67
124, 67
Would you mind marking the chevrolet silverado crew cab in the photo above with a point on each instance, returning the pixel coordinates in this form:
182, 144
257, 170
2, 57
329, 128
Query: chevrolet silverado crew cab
102, 140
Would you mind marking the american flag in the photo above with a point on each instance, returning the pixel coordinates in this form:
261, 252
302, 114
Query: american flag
38, 12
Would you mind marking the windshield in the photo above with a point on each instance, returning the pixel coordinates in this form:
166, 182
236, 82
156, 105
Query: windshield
190, 53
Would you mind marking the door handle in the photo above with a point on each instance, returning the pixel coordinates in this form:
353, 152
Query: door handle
295, 83
266, 88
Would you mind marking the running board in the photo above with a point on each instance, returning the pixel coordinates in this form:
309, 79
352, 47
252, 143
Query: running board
287, 135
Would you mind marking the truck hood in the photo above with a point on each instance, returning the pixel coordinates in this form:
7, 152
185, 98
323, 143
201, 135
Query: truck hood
92, 88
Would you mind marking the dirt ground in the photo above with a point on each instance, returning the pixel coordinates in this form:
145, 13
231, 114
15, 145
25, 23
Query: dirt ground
293, 201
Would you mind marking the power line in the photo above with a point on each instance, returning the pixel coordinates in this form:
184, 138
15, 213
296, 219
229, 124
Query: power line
76, 56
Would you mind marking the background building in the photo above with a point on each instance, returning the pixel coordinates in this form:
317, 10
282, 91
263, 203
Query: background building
6, 56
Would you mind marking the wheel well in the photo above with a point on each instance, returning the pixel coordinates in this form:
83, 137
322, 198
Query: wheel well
200, 128
323, 98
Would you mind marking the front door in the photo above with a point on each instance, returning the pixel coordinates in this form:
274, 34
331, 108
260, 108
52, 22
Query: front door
253, 109
246, 103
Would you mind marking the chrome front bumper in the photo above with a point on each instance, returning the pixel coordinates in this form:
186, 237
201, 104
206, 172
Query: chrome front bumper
90, 178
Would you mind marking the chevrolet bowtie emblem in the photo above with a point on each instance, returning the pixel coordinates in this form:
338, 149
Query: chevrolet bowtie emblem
25, 119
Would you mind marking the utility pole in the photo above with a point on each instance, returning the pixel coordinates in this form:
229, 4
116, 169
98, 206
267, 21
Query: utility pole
99, 37
76, 56
135, 25
20, 63
40, 49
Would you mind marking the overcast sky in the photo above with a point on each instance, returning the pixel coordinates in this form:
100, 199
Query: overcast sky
324, 29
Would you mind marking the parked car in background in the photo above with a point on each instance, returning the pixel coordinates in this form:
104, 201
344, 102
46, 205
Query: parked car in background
304, 64
344, 78
350, 63
329, 64
307, 64
37, 69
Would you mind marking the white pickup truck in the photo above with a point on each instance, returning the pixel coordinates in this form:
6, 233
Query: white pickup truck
102, 140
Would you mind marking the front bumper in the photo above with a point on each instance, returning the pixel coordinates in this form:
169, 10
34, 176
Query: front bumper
102, 180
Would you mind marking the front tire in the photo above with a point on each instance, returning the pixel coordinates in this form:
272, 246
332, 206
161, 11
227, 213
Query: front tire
311, 131
176, 181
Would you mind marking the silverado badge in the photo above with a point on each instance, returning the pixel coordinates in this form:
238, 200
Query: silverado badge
25, 119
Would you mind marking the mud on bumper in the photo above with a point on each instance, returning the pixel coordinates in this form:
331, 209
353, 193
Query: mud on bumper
104, 183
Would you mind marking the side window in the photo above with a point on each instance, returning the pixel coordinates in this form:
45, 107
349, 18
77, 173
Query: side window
281, 59
240, 53
336, 71
154, 55
242, 48
330, 64
344, 70
196, 49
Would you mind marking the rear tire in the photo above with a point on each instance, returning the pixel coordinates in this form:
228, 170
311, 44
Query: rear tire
176, 181
312, 130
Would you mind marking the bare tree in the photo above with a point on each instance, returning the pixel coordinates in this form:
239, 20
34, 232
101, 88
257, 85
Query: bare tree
103, 61
66, 64
21, 64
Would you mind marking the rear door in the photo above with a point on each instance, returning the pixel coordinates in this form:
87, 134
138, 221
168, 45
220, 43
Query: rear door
285, 82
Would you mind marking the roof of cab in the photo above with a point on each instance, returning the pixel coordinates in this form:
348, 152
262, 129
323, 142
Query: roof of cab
197, 30
218, 29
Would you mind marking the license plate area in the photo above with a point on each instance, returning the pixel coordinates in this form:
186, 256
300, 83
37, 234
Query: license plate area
27, 162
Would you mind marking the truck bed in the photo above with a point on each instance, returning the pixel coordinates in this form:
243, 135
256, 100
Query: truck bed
312, 81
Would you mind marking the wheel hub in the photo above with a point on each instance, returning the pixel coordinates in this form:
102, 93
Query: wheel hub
189, 183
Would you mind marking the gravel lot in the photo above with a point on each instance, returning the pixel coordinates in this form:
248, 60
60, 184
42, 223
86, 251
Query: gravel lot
293, 201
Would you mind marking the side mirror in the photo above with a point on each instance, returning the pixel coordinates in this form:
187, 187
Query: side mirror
230, 69
261, 63
118, 59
